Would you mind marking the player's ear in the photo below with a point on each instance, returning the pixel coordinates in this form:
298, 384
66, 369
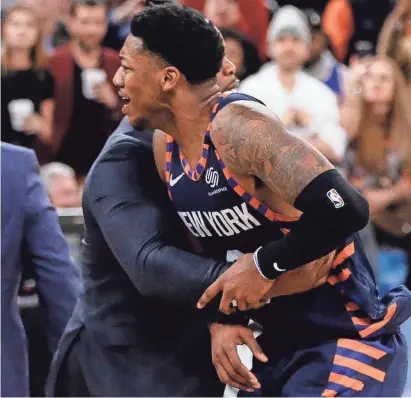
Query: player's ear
170, 77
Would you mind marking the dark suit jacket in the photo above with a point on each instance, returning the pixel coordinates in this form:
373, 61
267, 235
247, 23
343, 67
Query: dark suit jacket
140, 331
30, 237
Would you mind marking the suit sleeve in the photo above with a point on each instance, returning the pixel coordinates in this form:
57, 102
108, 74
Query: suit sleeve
132, 215
57, 277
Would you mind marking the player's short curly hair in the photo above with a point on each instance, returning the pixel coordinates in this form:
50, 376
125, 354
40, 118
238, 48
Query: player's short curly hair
183, 38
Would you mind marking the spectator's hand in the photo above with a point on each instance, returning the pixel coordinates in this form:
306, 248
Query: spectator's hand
358, 183
106, 95
34, 124
303, 118
230, 370
357, 74
289, 118
243, 283
124, 12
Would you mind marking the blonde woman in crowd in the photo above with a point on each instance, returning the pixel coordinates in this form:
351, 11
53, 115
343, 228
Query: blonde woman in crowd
378, 161
395, 38
27, 89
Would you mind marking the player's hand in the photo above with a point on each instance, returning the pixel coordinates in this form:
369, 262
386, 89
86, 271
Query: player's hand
106, 95
230, 369
241, 282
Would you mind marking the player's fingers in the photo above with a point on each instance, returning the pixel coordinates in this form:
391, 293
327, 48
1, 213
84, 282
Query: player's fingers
249, 381
252, 344
242, 374
242, 305
255, 303
258, 304
267, 296
225, 304
222, 374
209, 294
225, 378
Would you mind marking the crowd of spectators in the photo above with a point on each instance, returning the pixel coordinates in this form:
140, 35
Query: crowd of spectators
336, 72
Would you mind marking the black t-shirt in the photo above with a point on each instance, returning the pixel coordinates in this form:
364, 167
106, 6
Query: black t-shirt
35, 85
87, 132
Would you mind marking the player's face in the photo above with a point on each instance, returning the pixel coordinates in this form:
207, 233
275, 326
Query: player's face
379, 83
138, 81
226, 78
289, 52
235, 53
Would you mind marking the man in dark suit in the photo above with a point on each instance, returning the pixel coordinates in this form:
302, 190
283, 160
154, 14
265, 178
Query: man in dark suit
31, 238
136, 331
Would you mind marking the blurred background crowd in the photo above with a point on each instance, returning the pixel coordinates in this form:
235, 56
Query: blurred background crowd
336, 72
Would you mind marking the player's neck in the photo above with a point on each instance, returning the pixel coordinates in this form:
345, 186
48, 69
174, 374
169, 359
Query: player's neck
190, 118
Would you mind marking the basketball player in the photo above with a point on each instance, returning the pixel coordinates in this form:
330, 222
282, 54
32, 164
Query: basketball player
242, 184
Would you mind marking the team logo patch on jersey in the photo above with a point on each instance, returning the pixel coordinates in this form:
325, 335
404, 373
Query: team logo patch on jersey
212, 177
335, 198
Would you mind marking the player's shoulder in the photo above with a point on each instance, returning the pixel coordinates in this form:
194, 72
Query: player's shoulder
239, 120
245, 109
160, 150
159, 138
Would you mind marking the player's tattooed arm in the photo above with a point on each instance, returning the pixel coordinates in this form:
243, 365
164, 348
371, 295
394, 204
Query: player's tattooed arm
252, 140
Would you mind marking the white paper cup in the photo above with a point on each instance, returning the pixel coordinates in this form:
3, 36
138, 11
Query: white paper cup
91, 77
19, 111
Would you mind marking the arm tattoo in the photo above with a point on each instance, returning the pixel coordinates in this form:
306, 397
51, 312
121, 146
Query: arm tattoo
253, 141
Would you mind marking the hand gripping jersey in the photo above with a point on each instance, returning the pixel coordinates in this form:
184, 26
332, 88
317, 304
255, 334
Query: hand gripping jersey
228, 220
